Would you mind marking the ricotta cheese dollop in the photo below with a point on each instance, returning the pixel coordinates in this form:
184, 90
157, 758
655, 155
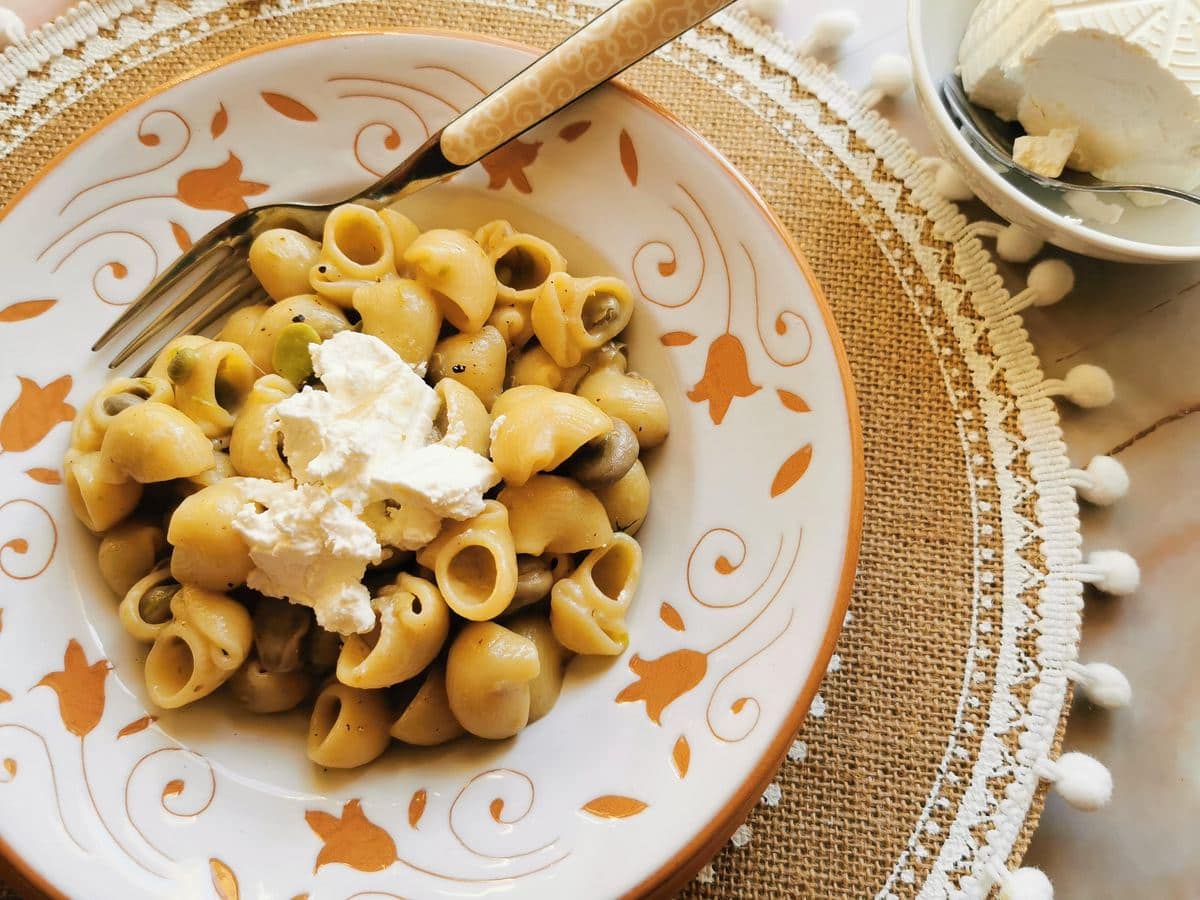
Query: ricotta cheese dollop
1126, 85
370, 469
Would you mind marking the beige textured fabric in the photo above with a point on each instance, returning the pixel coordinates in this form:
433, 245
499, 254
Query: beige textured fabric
874, 797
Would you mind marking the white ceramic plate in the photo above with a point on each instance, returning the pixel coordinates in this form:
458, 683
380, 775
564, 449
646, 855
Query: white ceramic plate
649, 760
1169, 233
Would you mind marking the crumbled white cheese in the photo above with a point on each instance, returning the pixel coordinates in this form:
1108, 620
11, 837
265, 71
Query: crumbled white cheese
1090, 208
1045, 154
367, 475
311, 549
368, 436
1131, 91
373, 406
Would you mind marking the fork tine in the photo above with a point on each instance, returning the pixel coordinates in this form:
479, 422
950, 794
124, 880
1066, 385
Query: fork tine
164, 282
242, 290
215, 276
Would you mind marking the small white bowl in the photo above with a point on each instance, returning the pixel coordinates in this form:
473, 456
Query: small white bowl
1165, 234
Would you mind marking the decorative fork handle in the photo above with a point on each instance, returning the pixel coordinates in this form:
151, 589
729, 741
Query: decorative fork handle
610, 43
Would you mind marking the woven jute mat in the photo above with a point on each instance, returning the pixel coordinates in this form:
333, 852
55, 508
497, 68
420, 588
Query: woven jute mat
914, 772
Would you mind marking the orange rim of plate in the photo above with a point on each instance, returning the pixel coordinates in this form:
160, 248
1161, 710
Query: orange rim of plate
681, 867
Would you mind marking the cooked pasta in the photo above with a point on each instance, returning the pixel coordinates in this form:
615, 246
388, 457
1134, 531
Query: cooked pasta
427, 720
321, 315
412, 627
557, 515
540, 431
255, 441
400, 495
208, 552
210, 378
463, 420
627, 500
356, 250
207, 638
552, 659
631, 398
488, 675
154, 442
348, 727
403, 314
475, 564
474, 360
97, 501
128, 552
91, 422
241, 324
587, 608
455, 268
263, 691
572, 316
281, 260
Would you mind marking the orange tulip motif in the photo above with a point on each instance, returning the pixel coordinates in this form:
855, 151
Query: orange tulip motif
664, 680
220, 188
509, 164
80, 689
36, 410
352, 840
726, 376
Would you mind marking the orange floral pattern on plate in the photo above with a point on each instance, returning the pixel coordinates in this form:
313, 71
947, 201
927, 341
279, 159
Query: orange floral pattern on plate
218, 188
80, 689
36, 410
351, 839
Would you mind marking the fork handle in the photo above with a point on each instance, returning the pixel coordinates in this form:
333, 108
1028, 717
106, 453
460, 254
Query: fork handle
617, 38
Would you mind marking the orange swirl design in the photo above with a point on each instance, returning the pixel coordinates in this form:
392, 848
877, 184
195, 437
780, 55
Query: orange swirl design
457, 74
147, 139
496, 809
781, 322
20, 545
87, 783
724, 566
402, 85
391, 141
667, 268
368, 95
62, 820
173, 788
116, 268
97, 214
742, 703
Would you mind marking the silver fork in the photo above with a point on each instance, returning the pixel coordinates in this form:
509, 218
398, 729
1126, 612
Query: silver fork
995, 138
617, 38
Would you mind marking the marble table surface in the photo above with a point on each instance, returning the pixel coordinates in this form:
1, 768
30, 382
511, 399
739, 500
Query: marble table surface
1141, 324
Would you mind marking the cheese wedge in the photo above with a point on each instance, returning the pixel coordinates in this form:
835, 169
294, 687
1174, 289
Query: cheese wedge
1120, 73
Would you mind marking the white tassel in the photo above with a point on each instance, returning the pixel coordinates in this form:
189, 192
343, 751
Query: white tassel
1104, 685
1049, 281
1026, 884
1112, 571
1085, 385
891, 76
12, 27
1081, 780
829, 31
1015, 244
949, 185
767, 10
1103, 482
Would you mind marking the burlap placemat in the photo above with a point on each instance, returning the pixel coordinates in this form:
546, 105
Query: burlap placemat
914, 773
